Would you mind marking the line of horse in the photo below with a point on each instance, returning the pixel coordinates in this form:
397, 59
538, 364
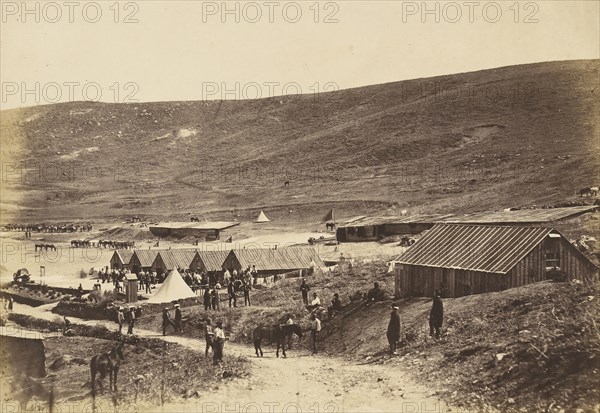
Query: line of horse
125, 245
49, 227
46, 247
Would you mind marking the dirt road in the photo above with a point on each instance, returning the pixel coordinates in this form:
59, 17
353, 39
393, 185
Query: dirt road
299, 383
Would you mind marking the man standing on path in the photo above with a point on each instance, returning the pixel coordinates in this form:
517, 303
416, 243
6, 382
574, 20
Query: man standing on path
231, 294
393, 331
219, 343
436, 317
209, 335
304, 288
247, 287
131, 320
166, 320
120, 319
177, 323
207, 299
315, 328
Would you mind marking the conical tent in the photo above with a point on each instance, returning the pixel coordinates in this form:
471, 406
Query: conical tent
330, 217
173, 288
262, 218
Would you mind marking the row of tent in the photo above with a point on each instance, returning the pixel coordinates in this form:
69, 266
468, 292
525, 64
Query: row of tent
266, 261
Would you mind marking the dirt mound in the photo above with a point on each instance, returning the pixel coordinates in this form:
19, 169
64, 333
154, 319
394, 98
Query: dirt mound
533, 346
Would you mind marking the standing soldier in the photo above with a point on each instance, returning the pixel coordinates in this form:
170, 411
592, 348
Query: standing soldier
177, 319
231, 293
120, 319
206, 298
209, 335
247, 287
315, 328
131, 320
166, 320
304, 288
436, 316
214, 297
393, 331
219, 343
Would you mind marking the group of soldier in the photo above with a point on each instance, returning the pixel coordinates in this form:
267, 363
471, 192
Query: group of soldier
127, 316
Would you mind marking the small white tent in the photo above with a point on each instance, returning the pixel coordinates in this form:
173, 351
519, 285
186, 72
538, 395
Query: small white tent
173, 288
262, 218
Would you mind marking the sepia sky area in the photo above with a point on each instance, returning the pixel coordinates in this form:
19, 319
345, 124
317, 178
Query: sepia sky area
197, 50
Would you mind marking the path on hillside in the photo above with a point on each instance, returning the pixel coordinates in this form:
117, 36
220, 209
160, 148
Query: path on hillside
300, 382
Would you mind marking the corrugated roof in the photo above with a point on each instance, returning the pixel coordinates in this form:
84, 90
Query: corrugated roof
213, 260
483, 248
287, 258
124, 255
519, 216
413, 219
197, 225
177, 258
146, 257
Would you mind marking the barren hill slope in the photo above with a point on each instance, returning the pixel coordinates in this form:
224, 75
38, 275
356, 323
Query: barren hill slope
471, 141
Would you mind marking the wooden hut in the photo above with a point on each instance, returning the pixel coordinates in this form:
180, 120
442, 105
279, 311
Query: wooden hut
209, 261
460, 260
121, 259
142, 260
168, 260
273, 261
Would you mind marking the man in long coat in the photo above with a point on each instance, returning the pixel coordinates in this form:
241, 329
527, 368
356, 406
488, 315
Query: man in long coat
436, 316
393, 331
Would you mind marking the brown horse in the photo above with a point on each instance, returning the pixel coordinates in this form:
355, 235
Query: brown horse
107, 363
275, 334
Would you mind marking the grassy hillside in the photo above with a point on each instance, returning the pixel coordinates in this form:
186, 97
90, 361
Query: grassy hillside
461, 142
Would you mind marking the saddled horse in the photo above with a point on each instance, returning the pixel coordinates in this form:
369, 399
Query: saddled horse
275, 334
107, 363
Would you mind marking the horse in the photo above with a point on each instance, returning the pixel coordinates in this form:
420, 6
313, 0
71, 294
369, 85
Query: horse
589, 191
330, 226
107, 363
275, 334
286, 183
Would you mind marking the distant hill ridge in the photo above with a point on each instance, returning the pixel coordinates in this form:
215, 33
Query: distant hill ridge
515, 135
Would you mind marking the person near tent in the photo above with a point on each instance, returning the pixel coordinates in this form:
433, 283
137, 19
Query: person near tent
79, 291
166, 320
226, 276
209, 335
148, 284
120, 319
178, 316
207, 304
304, 288
131, 320
219, 341
246, 287
231, 294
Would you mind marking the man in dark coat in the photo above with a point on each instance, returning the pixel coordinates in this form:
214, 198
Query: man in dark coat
207, 299
304, 288
436, 317
166, 320
177, 321
393, 331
